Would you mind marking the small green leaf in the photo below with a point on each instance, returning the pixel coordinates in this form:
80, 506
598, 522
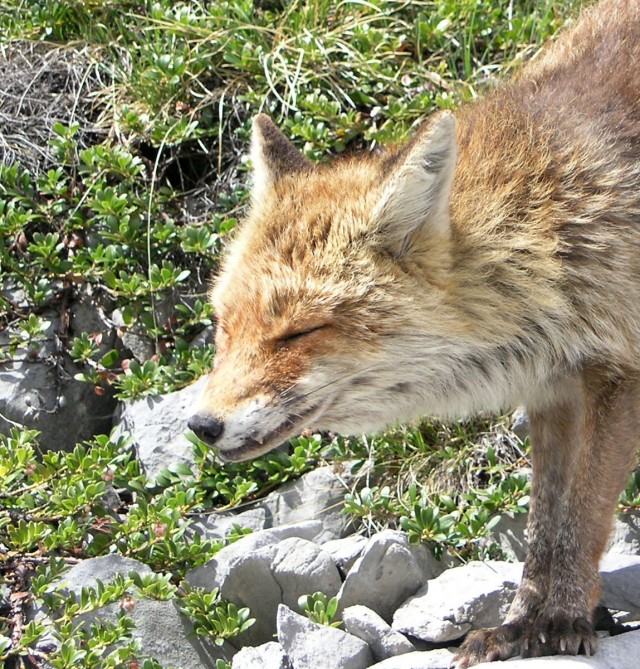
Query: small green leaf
109, 359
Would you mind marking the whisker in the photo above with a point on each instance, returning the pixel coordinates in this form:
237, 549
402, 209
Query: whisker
326, 385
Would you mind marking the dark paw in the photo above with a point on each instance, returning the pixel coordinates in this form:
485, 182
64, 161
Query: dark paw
560, 634
488, 645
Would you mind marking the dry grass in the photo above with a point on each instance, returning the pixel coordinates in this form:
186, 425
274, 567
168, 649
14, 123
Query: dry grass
44, 84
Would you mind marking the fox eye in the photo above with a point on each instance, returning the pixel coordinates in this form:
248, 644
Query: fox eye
292, 337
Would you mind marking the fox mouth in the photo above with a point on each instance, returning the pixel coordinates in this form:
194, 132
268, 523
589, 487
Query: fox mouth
251, 447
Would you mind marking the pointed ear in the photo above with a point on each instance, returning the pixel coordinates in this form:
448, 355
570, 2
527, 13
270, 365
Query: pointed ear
415, 196
272, 155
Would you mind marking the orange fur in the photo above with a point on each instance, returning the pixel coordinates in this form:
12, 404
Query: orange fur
491, 261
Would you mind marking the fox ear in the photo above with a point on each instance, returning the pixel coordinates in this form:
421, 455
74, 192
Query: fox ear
415, 197
272, 155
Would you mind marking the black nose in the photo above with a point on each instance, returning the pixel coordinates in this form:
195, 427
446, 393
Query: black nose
206, 428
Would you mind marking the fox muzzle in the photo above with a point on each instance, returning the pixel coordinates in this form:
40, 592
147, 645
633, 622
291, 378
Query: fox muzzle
207, 428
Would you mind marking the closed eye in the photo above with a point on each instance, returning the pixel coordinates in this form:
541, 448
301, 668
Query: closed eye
291, 337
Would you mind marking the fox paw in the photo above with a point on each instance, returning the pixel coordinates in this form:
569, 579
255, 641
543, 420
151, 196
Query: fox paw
560, 634
488, 645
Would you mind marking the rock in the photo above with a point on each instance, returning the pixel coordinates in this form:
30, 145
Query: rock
520, 423
162, 631
625, 537
157, 426
345, 551
270, 655
617, 652
464, 598
302, 568
620, 576
39, 391
311, 646
207, 336
262, 576
88, 315
430, 659
318, 495
213, 573
14, 293
370, 627
137, 343
388, 571
111, 502
168, 636
510, 535
87, 573
136, 339
621, 651
218, 525
554, 662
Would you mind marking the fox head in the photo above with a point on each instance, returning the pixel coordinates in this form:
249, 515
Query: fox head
334, 302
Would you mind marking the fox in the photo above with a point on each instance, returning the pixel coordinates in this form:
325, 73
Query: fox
490, 261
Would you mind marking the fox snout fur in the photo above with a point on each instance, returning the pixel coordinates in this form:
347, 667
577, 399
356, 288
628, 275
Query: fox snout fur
493, 260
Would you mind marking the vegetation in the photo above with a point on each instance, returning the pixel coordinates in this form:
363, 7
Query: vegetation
320, 609
123, 173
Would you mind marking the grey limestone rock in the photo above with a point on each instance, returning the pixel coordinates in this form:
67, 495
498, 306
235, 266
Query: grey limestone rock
263, 575
620, 652
137, 339
302, 567
218, 525
207, 336
40, 392
269, 655
345, 551
318, 495
87, 573
430, 659
625, 537
213, 573
388, 572
162, 631
157, 426
510, 534
464, 598
520, 423
167, 635
134, 339
620, 576
370, 627
312, 646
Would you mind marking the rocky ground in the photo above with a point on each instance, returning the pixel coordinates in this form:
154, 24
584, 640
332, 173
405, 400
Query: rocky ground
400, 607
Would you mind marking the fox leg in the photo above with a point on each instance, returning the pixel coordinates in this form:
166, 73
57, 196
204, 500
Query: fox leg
600, 470
582, 451
553, 430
